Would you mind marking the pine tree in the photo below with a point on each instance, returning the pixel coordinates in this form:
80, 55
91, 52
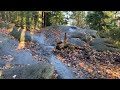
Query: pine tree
78, 18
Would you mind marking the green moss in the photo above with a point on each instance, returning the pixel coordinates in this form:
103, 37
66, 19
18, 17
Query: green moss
37, 71
3, 25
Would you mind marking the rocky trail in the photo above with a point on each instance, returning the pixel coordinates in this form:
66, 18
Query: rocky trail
83, 60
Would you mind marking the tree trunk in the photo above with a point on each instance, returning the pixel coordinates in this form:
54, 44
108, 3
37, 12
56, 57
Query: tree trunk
43, 19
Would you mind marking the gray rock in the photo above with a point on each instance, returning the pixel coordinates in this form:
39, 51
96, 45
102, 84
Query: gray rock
100, 45
63, 71
92, 33
22, 57
36, 71
68, 28
39, 39
83, 31
8, 47
97, 41
82, 35
49, 48
17, 34
77, 34
103, 47
2, 63
73, 29
7, 43
76, 41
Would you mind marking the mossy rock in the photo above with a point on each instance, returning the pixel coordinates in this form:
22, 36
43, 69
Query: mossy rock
104, 44
36, 71
17, 34
103, 47
111, 45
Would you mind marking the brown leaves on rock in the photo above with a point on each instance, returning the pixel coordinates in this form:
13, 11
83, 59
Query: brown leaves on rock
8, 66
21, 46
60, 57
98, 64
81, 64
7, 57
4, 31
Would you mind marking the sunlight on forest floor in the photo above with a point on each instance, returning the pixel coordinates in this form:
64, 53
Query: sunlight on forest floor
21, 45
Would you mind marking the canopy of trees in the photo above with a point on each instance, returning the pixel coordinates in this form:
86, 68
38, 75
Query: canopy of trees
33, 19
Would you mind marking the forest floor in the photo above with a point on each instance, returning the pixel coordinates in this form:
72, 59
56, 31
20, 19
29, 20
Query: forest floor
85, 62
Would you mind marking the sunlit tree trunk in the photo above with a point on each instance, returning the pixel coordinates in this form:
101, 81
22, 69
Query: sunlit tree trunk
22, 37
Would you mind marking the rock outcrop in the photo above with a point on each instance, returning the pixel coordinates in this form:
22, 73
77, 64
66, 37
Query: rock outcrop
36, 71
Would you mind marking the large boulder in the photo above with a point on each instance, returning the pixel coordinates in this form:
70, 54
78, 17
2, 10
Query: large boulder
93, 33
63, 71
97, 41
19, 57
39, 39
17, 34
77, 34
100, 45
68, 28
36, 71
76, 41
103, 47
82, 35
8, 46
78, 31
23, 57
7, 43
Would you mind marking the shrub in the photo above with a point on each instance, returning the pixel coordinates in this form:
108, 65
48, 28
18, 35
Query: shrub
115, 34
3, 25
103, 34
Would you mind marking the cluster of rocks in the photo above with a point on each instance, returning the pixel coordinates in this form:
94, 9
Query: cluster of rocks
88, 41
20, 64
50, 36
80, 37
